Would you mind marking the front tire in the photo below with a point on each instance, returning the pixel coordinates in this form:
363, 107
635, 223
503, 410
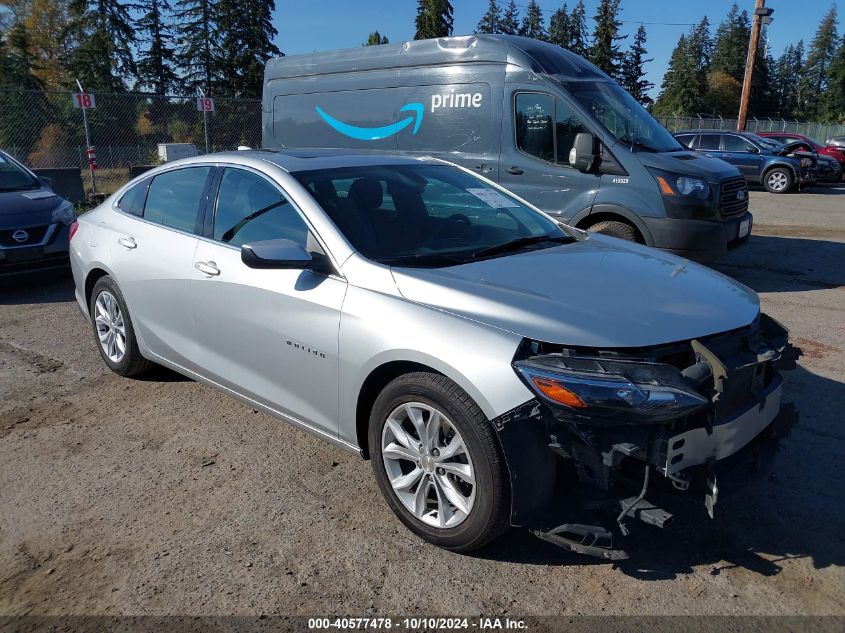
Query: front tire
113, 330
778, 180
615, 228
437, 462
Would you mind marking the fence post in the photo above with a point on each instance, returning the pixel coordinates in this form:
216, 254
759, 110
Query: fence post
699, 121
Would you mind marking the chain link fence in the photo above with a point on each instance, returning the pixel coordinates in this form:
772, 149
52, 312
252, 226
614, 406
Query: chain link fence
818, 131
46, 130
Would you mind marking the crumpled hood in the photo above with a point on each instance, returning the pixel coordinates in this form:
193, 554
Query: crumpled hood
598, 292
22, 209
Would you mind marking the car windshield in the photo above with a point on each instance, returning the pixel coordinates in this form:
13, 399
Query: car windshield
13, 177
424, 215
765, 142
623, 116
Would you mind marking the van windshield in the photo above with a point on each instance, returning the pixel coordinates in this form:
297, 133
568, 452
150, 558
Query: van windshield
623, 116
427, 215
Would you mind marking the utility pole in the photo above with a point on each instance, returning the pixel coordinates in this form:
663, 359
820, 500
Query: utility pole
761, 16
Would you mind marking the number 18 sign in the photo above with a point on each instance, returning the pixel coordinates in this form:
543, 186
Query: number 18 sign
84, 100
205, 104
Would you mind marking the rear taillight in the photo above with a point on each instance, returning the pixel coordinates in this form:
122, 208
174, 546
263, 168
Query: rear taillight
74, 226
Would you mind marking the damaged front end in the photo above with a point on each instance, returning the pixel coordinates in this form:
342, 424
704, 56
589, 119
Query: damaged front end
638, 428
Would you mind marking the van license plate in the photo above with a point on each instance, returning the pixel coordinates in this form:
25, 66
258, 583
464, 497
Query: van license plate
744, 226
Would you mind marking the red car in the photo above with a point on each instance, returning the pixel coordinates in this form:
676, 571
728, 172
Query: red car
836, 152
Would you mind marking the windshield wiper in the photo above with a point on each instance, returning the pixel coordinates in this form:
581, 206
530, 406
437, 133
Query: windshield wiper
423, 259
521, 242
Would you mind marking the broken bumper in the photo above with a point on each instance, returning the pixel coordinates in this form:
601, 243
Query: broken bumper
637, 436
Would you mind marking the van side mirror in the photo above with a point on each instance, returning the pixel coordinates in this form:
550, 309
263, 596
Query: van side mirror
282, 254
582, 156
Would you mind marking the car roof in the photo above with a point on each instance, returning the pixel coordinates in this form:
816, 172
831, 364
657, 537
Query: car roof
295, 160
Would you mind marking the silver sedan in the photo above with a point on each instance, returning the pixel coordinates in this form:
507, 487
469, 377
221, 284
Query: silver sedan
408, 310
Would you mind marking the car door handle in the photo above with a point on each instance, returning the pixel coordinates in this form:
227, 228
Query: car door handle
127, 242
207, 268
516, 171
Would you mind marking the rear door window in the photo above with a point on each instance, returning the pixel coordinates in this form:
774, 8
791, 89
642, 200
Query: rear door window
175, 198
708, 141
132, 201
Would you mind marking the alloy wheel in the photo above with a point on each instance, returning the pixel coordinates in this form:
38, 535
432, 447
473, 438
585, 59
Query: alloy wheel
428, 465
111, 329
777, 181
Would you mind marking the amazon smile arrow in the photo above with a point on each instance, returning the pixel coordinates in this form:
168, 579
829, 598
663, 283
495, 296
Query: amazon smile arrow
376, 133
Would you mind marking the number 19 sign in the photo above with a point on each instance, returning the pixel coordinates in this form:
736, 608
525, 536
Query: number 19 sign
205, 104
84, 100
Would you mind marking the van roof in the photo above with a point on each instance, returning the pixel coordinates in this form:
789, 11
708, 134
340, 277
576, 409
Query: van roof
527, 53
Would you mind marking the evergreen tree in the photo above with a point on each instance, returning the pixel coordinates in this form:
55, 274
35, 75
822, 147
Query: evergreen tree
559, 27
834, 102
787, 80
434, 19
375, 39
578, 30
510, 19
532, 24
819, 59
18, 65
605, 52
491, 22
632, 76
683, 89
197, 43
730, 45
245, 31
103, 36
156, 64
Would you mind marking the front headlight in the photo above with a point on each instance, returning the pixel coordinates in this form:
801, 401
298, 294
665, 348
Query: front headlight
678, 185
64, 213
612, 394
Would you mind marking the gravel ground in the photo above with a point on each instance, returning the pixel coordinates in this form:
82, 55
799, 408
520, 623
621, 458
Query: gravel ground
162, 496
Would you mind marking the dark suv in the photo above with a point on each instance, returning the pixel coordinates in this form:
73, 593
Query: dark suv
779, 168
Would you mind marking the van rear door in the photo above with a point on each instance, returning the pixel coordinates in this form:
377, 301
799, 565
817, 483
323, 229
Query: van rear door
538, 131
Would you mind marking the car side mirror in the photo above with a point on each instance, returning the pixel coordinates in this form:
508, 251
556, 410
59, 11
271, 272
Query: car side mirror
282, 254
753, 149
45, 181
582, 156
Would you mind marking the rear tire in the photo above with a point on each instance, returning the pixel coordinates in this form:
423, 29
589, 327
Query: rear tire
439, 477
778, 180
113, 331
615, 228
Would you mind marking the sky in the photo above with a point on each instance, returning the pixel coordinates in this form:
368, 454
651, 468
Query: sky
307, 26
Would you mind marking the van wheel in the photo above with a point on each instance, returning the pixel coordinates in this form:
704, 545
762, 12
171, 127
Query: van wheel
437, 462
615, 228
113, 330
778, 180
